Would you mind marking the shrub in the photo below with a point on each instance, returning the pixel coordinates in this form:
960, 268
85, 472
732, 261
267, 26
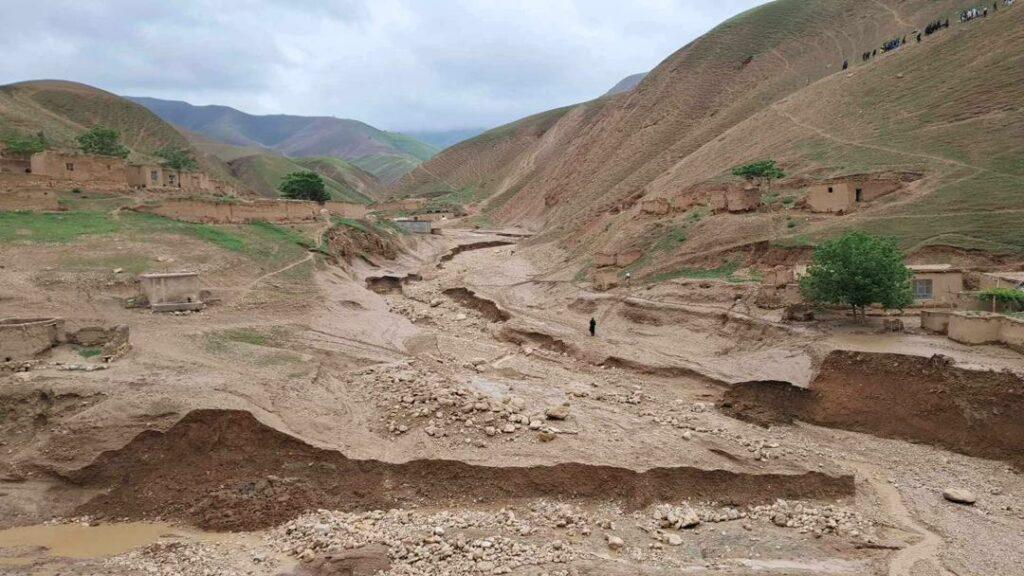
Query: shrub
102, 141
26, 144
1011, 298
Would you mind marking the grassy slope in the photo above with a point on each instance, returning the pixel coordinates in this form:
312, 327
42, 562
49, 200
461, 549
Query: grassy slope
363, 183
767, 83
63, 110
264, 173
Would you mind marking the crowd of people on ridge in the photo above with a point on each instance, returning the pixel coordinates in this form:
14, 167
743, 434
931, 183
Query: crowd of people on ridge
896, 43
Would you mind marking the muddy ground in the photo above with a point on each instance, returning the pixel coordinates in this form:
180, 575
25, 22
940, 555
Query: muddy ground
446, 412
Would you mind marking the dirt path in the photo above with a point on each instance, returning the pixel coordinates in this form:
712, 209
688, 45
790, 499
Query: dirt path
926, 550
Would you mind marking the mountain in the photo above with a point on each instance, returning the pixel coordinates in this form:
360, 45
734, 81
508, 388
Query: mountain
297, 136
264, 172
944, 115
445, 138
62, 110
627, 84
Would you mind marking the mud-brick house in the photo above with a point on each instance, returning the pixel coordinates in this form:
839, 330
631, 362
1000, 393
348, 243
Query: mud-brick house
844, 196
14, 162
145, 176
172, 291
937, 285
79, 167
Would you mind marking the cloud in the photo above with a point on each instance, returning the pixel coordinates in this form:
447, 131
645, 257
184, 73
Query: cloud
397, 64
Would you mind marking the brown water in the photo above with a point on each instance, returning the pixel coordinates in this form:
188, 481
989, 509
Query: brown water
20, 546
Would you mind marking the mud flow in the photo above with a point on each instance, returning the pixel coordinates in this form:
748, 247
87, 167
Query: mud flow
487, 308
224, 470
390, 284
471, 246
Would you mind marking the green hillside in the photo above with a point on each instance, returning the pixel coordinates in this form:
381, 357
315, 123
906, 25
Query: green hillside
264, 173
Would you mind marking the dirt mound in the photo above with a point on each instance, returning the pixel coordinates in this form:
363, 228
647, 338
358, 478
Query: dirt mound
388, 284
895, 396
472, 246
485, 307
224, 470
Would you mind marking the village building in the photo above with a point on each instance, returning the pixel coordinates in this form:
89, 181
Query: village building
172, 291
24, 338
990, 280
844, 196
937, 285
79, 167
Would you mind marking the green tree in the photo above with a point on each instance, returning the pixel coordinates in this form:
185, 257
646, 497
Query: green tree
764, 171
304, 186
858, 270
19, 144
103, 141
178, 158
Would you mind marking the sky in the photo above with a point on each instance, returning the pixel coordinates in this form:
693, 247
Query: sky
397, 64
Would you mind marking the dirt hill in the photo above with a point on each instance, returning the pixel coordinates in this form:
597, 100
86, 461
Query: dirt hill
264, 172
298, 136
62, 110
769, 84
626, 84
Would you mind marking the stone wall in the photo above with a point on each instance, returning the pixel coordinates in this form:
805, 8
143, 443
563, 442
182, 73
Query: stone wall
25, 338
40, 200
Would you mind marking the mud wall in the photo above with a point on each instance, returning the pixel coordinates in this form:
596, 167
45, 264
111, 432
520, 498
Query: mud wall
894, 396
935, 321
217, 212
42, 200
24, 338
980, 328
1012, 333
348, 209
225, 470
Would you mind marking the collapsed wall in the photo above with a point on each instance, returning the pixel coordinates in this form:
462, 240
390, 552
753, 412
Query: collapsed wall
914, 398
225, 470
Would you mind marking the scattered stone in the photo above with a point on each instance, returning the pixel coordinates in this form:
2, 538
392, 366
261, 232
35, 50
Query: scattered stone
959, 496
615, 543
557, 412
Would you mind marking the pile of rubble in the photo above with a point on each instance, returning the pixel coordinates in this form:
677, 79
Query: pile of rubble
424, 544
408, 396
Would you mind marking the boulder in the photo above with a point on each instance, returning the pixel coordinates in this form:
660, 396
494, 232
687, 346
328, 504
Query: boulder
959, 496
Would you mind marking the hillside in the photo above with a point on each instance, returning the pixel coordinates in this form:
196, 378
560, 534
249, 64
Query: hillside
264, 173
62, 110
626, 84
446, 138
768, 83
297, 136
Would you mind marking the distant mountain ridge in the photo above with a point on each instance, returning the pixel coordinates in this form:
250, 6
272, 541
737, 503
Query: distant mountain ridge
626, 84
299, 136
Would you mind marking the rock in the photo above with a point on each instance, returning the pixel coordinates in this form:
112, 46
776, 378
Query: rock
546, 436
557, 412
615, 543
959, 496
509, 428
674, 540
490, 431
780, 519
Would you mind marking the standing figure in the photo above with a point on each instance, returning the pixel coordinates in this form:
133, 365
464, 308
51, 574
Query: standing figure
593, 327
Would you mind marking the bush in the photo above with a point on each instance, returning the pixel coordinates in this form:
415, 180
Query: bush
304, 186
177, 158
858, 270
26, 144
1011, 298
102, 141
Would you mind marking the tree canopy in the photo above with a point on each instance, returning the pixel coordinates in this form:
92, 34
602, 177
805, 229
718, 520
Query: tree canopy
766, 170
19, 144
178, 158
103, 141
858, 270
304, 186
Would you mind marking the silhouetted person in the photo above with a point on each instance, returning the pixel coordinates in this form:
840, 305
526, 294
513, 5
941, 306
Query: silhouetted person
846, 64
918, 37
593, 327
874, 52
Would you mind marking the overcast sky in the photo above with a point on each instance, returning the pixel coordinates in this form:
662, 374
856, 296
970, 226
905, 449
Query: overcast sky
396, 64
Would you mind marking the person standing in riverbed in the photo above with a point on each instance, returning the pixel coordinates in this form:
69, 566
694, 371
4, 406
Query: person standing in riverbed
593, 327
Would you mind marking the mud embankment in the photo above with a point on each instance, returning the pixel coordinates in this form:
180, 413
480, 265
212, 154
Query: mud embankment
471, 246
486, 308
389, 284
225, 470
536, 339
927, 400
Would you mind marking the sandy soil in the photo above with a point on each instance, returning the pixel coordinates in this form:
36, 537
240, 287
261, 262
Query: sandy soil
467, 372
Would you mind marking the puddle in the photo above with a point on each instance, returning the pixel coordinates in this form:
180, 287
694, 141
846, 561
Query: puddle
21, 546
